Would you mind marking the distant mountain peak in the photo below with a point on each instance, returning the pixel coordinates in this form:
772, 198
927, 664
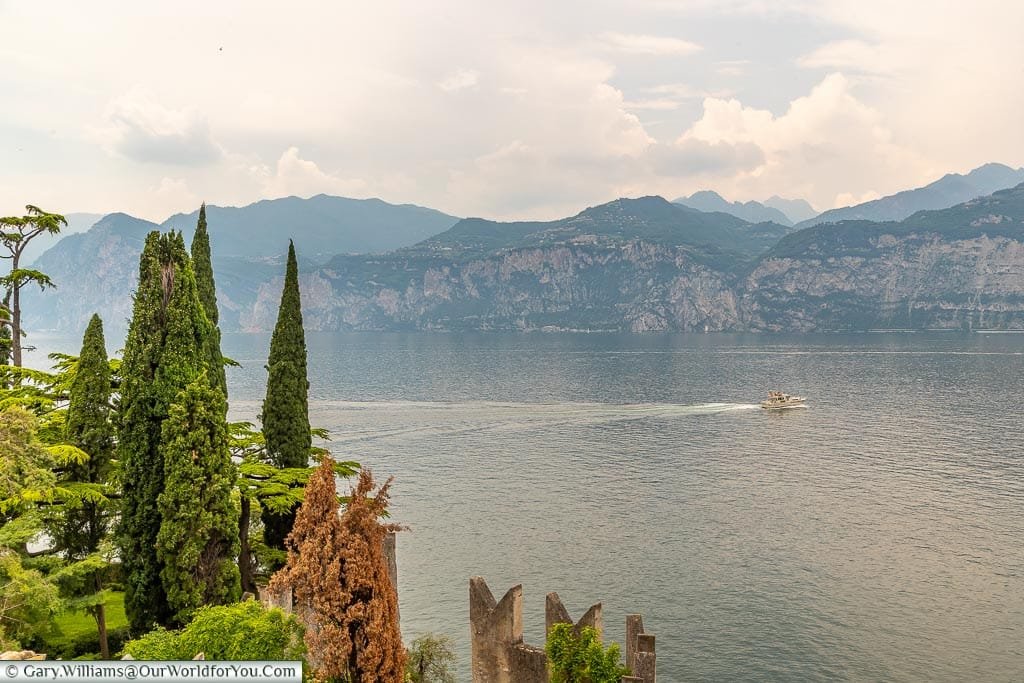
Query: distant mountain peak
750, 211
949, 190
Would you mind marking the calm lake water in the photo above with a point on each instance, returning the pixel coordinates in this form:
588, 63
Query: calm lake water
877, 535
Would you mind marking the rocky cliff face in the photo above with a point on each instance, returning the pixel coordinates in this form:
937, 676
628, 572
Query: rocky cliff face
961, 267
913, 281
93, 272
633, 286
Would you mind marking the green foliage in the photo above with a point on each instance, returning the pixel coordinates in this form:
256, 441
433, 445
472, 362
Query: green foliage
90, 430
431, 659
28, 601
207, 290
26, 468
243, 631
166, 349
198, 537
203, 267
577, 658
158, 644
285, 414
15, 234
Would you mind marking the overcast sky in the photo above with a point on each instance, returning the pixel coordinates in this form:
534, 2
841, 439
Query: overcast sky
505, 110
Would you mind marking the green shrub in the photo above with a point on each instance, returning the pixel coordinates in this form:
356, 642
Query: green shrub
573, 658
158, 644
243, 631
431, 660
81, 644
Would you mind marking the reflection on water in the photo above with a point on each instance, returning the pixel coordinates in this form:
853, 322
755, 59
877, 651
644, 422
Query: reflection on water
877, 534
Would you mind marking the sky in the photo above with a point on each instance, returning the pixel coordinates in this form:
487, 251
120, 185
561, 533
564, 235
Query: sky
523, 110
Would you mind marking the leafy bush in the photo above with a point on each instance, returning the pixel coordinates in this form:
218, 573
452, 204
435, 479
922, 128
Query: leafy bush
242, 631
82, 644
575, 658
431, 660
158, 644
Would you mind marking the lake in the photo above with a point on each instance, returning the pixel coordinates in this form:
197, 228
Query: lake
877, 534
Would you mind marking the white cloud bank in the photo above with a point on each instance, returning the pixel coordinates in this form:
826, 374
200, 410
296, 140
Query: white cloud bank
138, 128
520, 111
825, 143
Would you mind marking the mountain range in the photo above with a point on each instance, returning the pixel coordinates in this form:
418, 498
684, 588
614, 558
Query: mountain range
323, 225
93, 270
948, 190
754, 212
631, 264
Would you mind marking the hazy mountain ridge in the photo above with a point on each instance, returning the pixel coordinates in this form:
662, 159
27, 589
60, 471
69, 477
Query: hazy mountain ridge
796, 210
321, 225
947, 191
630, 265
751, 211
621, 265
961, 267
96, 270
953, 268
77, 222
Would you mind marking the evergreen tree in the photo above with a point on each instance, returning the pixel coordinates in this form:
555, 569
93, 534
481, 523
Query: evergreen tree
198, 537
80, 529
285, 413
203, 267
164, 352
90, 429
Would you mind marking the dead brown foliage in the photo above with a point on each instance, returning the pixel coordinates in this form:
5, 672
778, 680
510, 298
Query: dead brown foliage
339, 579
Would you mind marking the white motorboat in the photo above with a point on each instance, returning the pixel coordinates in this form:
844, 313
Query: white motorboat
778, 401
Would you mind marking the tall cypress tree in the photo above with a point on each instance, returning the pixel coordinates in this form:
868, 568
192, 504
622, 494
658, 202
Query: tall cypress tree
89, 428
203, 267
78, 530
285, 413
198, 537
166, 349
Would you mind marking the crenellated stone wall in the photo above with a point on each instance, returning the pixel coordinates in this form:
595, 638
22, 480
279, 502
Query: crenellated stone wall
499, 654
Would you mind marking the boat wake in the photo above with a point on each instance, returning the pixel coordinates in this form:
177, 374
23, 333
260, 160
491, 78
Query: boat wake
359, 421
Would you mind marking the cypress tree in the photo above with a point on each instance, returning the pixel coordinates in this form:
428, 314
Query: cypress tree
198, 537
285, 414
203, 267
79, 529
165, 351
89, 428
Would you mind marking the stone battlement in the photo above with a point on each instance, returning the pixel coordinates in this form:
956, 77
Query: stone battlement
499, 654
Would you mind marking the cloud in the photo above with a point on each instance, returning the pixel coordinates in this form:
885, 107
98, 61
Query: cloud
637, 44
850, 199
692, 157
854, 56
825, 143
170, 196
294, 175
656, 104
140, 129
459, 80
533, 117
734, 67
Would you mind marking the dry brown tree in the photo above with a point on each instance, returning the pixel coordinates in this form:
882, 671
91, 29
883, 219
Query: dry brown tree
339, 579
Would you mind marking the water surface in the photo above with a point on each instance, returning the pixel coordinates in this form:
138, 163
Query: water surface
877, 534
